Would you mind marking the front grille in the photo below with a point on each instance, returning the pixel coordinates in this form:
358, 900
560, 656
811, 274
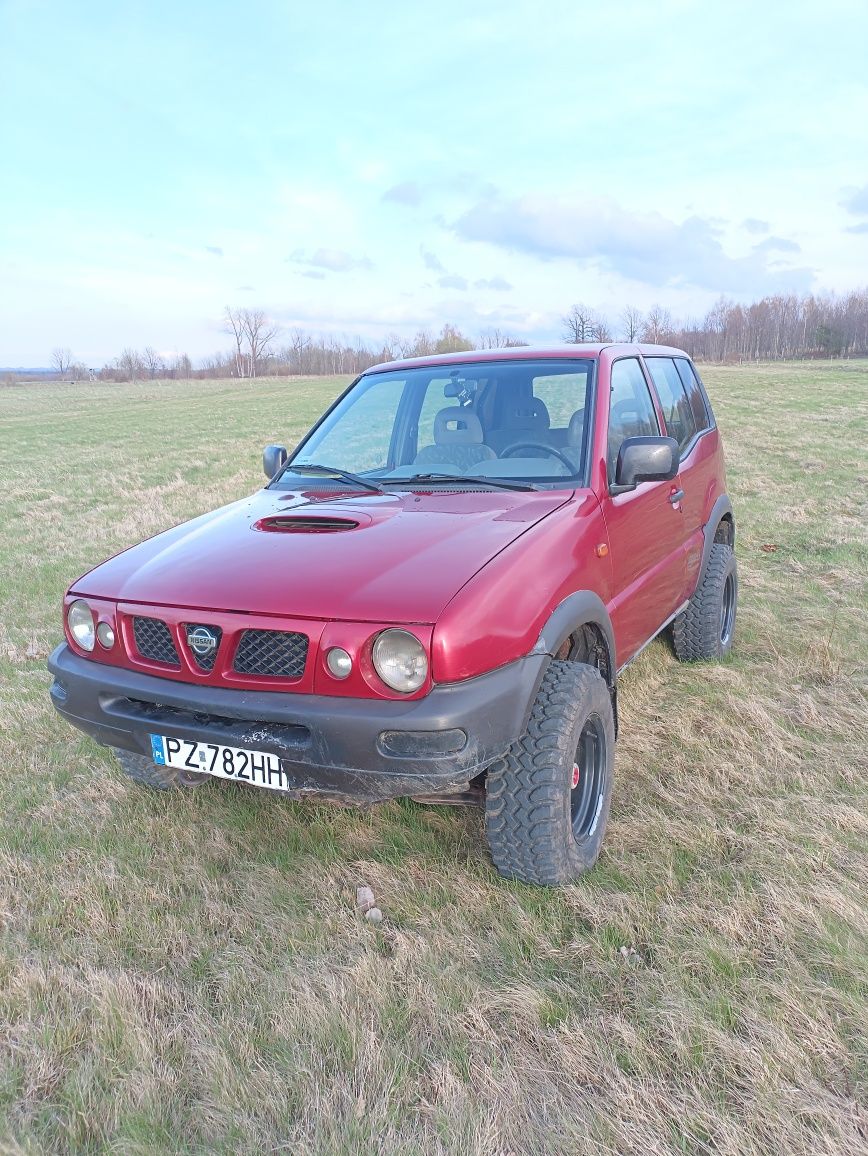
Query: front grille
154, 641
197, 636
271, 653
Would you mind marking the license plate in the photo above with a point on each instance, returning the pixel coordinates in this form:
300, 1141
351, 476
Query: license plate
256, 767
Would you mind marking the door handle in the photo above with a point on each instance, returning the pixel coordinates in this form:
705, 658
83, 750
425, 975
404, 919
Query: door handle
675, 497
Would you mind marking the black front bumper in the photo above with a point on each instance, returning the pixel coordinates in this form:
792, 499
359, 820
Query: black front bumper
364, 749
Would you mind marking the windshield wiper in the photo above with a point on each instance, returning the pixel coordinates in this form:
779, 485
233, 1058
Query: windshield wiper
334, 472
494, 483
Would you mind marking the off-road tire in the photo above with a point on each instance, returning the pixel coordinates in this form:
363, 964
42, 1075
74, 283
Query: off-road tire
146, 772
705, 629
529, 794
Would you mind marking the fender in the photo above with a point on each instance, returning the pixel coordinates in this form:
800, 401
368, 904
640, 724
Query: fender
576, 610
720, 508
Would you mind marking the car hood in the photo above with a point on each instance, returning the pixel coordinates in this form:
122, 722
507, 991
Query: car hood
406, 556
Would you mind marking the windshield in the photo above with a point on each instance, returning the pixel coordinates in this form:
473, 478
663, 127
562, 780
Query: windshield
521, 419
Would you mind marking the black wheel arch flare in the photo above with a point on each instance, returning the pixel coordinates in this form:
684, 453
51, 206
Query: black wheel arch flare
720, 527
581, 623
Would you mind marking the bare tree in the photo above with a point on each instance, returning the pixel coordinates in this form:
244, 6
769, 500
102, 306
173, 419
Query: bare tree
233, 323
578, 324
422, 345
182, 367
631, 323
391, 348
253, 335
130, 366
61, 360
452, 340
495, 338
657, 328
600, 330
153, 363
259, 334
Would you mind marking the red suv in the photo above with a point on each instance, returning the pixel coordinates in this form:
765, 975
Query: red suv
432, 596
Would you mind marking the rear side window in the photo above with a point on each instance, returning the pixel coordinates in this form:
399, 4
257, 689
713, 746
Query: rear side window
631, 410
694, 393
674, 401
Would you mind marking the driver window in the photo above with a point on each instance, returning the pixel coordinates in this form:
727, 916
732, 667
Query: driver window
631, 410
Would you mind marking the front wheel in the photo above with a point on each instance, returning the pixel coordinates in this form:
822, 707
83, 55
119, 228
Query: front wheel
547, 800
706, 628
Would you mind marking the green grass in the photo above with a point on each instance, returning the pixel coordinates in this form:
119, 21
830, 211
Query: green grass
188, 974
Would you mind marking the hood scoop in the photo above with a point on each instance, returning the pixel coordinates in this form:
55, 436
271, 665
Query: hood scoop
304, 524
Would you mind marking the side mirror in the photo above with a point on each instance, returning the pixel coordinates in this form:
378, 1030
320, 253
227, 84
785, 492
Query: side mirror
645, 459
273, 459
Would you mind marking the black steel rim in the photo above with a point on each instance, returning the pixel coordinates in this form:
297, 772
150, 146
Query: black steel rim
727, 610
588, 779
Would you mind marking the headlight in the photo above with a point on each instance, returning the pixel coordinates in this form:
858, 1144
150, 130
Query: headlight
79, 618
400, 660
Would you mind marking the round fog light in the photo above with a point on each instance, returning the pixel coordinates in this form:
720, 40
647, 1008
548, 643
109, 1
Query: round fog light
339, 662
80, 621
106, 635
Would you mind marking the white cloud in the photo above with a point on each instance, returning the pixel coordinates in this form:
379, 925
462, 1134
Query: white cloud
779, 244
498, 283
432, 261
405, 193
645, 246
334, 260
856, 200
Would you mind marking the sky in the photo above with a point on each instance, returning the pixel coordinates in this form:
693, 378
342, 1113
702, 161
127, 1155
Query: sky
373, 168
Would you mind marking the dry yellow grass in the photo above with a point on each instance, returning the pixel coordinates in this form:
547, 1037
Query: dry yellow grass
189, 974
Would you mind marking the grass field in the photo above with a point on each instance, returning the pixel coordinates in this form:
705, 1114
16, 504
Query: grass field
188, 974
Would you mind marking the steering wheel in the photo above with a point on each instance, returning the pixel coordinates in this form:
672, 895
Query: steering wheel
555, 453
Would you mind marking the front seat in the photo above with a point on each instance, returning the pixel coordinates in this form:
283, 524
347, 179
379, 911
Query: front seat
575, 436
457, 440
526, 421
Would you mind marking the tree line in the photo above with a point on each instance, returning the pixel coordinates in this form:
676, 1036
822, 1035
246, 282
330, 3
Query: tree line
261, 348
784, 326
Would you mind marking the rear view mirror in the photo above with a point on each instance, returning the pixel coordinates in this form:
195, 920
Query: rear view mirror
461, 388
273, 460
645, 459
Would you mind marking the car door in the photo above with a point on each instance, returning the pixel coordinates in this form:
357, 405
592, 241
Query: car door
645, 525
686, 419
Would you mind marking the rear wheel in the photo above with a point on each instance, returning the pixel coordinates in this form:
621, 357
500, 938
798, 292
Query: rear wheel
547, 800
146, 772
705, 629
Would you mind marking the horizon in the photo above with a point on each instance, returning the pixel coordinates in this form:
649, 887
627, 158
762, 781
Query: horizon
355, 178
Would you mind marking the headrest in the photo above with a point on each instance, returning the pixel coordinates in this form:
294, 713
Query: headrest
530, 415
456, 425
576, 428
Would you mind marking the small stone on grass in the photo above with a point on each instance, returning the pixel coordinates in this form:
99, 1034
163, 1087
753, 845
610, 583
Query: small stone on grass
364, 899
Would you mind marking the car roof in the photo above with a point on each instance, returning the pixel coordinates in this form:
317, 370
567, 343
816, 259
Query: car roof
529, 352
